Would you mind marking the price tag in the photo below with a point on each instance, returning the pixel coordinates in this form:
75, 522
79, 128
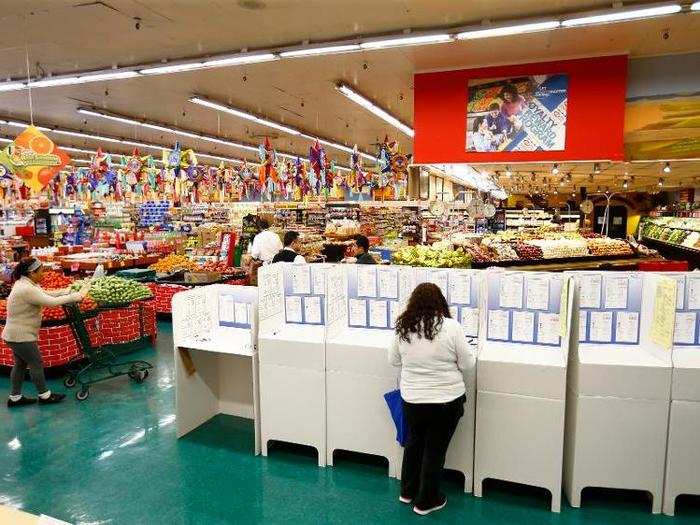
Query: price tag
74, 267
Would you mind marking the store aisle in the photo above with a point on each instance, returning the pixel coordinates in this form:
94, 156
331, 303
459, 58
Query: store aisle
115, 459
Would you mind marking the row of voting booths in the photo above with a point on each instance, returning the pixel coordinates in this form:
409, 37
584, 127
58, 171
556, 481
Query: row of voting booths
583, 379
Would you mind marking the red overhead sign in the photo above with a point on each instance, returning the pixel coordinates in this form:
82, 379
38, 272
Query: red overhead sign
548, 111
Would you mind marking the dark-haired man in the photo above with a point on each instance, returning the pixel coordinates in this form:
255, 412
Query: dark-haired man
362, 254
289, 252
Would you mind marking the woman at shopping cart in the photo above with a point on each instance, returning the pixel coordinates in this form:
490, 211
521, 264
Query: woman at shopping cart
21, 330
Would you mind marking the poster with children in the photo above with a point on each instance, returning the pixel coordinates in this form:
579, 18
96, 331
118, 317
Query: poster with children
517, 114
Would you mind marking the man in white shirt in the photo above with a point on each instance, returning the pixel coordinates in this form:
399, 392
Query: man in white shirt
266, 244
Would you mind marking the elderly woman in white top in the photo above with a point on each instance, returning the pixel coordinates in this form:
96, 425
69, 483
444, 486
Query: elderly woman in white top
21, 330
433, 353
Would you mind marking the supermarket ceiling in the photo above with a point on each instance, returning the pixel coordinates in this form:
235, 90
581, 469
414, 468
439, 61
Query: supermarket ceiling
63, 37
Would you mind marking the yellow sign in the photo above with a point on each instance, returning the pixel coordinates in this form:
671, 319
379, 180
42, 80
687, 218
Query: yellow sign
667, 128
662, 323
34, 158
564, 306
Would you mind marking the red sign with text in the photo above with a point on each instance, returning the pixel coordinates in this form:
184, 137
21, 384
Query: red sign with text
547, 111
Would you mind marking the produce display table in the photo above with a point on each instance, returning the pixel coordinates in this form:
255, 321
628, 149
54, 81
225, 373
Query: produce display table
163, 295
114, 326
620, 263
163, 291
128, 324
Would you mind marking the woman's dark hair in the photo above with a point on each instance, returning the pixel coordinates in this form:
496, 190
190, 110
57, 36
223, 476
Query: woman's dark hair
424, 313
290, 237
511, 90
494, 106
263, 224
477, 123
22, 268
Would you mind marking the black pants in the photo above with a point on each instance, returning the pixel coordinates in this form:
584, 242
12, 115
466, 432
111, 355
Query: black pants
27, 355
430, 429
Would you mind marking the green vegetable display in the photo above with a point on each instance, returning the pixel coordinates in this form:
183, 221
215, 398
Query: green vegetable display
111, 290
431, 257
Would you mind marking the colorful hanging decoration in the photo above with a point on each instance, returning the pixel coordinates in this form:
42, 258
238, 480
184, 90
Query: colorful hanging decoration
317, 175
33, 158
268, 176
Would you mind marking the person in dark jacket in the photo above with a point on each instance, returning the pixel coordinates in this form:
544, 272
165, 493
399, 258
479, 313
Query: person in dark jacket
289, 252
362, 254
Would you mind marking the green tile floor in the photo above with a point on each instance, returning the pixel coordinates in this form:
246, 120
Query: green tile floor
114, 459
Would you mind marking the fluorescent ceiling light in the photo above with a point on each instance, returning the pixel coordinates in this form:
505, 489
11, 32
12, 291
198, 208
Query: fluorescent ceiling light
376, 110
266, 122
515, 29
323, 50
115, 75
174, 68
406, 41
12, 86
243, 114
126, 142
621, 15
239, 60
160, 127
50, 82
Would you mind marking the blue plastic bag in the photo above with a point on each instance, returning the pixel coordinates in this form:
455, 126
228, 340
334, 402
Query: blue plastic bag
394, 402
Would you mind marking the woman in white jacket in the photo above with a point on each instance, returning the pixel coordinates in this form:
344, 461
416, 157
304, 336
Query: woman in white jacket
21, 330
433, 353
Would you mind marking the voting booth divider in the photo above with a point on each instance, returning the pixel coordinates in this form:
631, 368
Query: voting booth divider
619, 383
583, 379
292, 341
683, 453
521, 380
216, 359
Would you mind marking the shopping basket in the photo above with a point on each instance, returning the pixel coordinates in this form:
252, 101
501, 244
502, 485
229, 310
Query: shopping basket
100, 362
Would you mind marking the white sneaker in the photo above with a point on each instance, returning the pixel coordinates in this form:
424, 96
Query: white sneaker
425, 512
404, 499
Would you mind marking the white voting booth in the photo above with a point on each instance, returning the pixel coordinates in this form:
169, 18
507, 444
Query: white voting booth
357, 370
216, 362
521, 380
683, 453
292, 339
620, 382
358, 373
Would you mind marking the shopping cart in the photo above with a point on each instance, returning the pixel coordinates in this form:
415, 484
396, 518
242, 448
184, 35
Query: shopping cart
103, 362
